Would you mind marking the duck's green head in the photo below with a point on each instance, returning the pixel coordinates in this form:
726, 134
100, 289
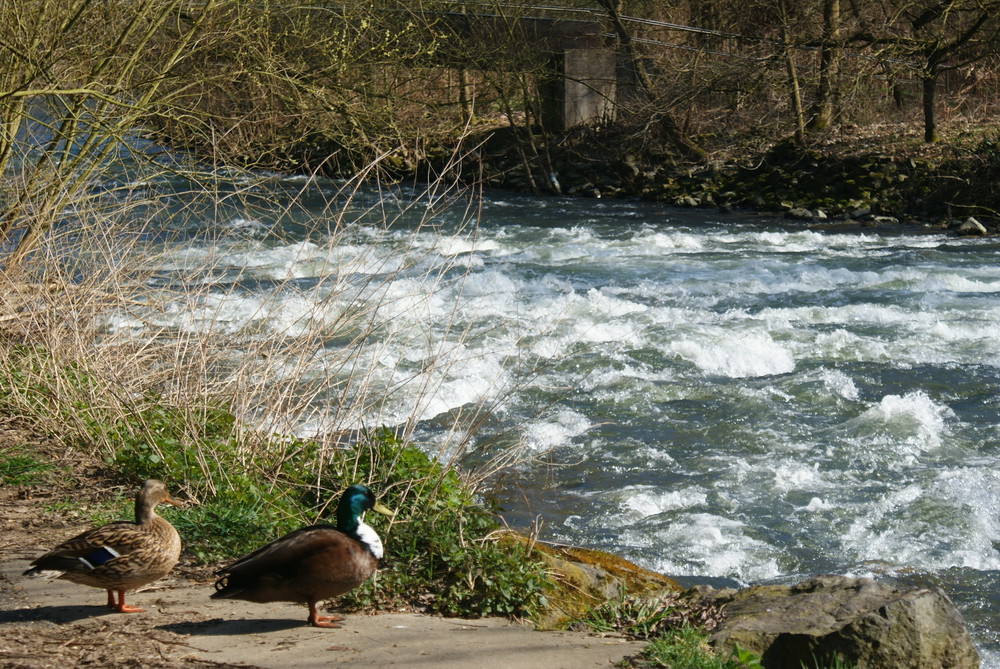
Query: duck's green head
353, 503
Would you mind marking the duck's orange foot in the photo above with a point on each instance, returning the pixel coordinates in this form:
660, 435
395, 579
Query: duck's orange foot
316, 620
120, 606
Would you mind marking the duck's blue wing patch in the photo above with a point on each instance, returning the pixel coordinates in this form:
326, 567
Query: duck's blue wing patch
96, 558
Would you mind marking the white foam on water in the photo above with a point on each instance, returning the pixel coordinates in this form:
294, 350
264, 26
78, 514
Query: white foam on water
217, 313
280, 311
840, 384
705, 544
378, 384
248, 227
558, 429
806, 281
843, 344
958, 283
406, 304
654, 457
950, 521
563, 321
676, 241
988, 658
643, 501
412, 356
498, 287
564, 246
799, 242
604, 306
473, 387
283, 262
816, 504
735, 355
852, 315
602, 332
771, 241
453, 246
976, 495
909, 423
796, 476
929, 343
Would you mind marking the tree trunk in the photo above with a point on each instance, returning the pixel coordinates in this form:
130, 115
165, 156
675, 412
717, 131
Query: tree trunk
823, 109
465, 96
930, 118
793, 78
673, 131
705, 14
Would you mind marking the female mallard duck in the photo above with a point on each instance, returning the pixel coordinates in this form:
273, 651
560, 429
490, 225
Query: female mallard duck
119, 556
312, 564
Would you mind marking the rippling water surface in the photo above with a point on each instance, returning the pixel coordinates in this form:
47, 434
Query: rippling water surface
724, 399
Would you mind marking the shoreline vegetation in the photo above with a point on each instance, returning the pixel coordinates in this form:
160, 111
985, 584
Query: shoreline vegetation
863, 114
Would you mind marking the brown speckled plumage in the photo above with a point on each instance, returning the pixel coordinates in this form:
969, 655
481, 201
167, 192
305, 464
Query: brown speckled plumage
120, 556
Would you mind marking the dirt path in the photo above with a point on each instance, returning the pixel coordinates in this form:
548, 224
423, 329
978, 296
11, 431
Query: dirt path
59, 624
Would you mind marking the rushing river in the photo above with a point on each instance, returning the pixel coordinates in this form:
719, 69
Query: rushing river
725, 399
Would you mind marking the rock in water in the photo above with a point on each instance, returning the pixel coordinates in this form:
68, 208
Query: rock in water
970, 227
872, 624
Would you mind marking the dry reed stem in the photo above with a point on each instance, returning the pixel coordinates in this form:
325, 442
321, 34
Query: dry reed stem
126, 303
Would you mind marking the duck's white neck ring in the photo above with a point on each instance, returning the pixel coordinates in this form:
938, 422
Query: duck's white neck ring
370, 538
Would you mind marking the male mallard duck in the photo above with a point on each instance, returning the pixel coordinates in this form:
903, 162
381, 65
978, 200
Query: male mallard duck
121, 555
312, 564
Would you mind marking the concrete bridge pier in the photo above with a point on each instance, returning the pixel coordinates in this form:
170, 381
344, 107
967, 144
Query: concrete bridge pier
580, 90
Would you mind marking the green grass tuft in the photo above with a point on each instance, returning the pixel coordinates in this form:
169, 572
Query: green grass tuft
20, 468
687, 648
677, 630
649, 617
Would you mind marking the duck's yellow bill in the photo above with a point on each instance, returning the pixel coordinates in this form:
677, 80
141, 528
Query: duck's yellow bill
384, 510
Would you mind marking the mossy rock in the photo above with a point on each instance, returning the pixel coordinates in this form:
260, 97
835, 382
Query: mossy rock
582, 579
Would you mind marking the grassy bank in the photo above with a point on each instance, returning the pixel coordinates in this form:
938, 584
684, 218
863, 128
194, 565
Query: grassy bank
443, 549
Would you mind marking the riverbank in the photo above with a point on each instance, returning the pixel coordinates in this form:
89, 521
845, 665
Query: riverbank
56, 623
879, 175
181, 627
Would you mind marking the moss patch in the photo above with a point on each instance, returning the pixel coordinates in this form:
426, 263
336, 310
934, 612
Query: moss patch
581, 579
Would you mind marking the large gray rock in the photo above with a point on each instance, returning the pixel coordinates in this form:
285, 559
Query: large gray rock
872, 624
